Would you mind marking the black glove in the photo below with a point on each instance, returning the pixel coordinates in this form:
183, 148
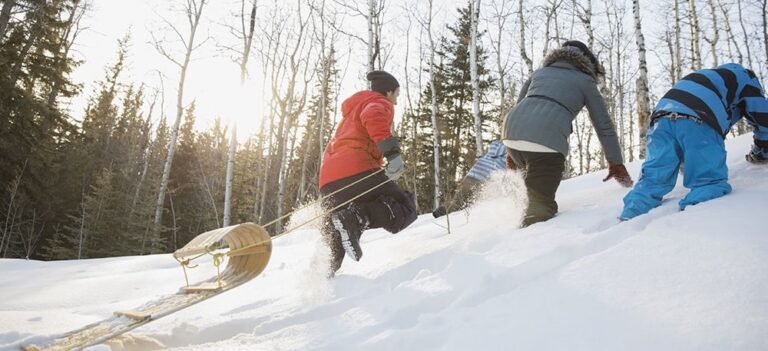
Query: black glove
758, 155
390, 148
439, 212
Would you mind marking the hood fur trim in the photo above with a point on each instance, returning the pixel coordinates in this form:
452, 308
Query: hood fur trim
573, 57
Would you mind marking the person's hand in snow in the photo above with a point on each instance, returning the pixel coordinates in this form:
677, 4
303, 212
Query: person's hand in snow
619, 172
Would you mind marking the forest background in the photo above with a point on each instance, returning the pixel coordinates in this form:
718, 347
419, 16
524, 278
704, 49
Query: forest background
129, 127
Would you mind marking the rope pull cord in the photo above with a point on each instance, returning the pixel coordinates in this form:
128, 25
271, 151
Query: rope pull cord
186, 263
323, 214
331, 194
217, 257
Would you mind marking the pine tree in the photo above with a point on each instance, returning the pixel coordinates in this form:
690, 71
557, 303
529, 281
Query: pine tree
317, 130
34, 131
456, 122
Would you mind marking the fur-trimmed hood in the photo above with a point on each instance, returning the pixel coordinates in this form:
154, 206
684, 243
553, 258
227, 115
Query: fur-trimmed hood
574, 57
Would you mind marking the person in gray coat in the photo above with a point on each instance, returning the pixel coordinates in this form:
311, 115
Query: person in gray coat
537, 129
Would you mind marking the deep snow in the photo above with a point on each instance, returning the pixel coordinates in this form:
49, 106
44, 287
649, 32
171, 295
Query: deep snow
668, 280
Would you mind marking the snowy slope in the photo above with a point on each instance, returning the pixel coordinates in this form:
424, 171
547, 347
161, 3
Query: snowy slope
669, 280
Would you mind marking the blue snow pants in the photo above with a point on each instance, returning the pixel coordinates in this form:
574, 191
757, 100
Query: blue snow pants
670, 143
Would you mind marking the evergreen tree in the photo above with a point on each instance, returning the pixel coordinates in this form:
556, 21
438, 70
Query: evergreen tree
183, 188
91, 233
454, 98
317, 130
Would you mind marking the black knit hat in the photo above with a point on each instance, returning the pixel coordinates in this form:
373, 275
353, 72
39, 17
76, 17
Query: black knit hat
588, 53
382, 81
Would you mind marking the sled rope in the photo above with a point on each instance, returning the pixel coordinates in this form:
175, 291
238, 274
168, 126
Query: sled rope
217, 260
186, 263
234, 252
331, 194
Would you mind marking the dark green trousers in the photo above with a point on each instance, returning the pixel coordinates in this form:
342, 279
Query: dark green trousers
542, 172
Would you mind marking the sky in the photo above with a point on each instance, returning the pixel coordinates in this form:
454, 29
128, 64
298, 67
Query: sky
213, 78
667, 280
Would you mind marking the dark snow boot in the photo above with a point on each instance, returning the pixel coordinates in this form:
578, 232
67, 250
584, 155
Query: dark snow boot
350, 224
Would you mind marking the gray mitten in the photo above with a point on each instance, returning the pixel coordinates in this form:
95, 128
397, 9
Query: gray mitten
390, 148
395, 167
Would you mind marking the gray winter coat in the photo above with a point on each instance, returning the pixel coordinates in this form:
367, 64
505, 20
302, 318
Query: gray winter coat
551, 99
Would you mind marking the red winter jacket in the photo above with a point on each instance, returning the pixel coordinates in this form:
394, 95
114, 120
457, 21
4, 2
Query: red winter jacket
366, 120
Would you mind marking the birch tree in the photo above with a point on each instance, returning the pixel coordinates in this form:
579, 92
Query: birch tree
678, 60
427, 27
474, 9
498, 18
193, 10
695, 46
550, 14
643, 100
731, 38
523, 50
244, 32
764, 17
290, 75
583, 11
715, 32
744, 31
5, 17
374, 18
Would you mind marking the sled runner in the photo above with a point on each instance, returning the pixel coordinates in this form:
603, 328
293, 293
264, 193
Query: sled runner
248, 248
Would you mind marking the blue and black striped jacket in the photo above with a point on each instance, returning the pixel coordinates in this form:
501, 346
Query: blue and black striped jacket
494, 159
720, 97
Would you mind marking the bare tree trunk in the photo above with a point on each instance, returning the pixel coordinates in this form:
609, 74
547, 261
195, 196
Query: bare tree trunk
474, 10
501, 17
414, 145
29, 241
523, 52
230, 170
9, 215
678, 61
744, 31
695, 46
550, 13
433, 90
301, 193
147, 156
284, 171
585, 16
732, 44
643, 100
81, 238
246, 30
267, 165
373, 16
371, 35
247, 38
716, 29
67, 39
5, 17
765, 30
193, 11
672, 69
291, 69
174, 230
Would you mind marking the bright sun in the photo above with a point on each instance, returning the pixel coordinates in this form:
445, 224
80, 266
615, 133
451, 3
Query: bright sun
226, 98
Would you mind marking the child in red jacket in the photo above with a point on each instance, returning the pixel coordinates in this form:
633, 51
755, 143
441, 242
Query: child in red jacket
362, 140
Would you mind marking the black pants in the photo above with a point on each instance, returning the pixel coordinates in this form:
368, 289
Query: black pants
542, 172
388, 206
